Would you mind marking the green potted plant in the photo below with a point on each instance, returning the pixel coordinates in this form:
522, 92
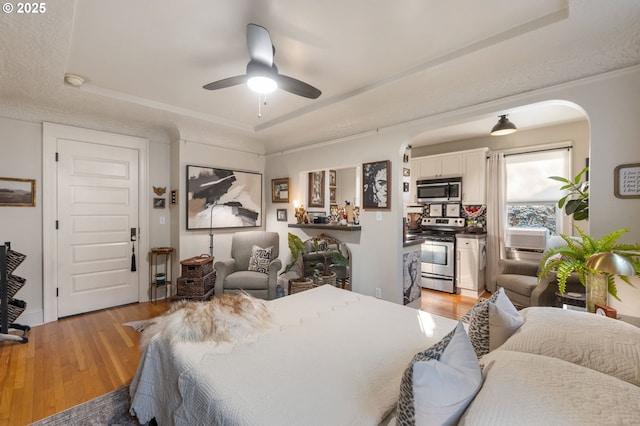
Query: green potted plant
322, 270
597, 264
576, 202
300, 282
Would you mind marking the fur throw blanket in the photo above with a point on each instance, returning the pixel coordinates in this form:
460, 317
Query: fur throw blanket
230, 318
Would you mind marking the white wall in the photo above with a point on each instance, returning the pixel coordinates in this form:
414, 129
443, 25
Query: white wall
196, 242
376, 250
611, 104
21, 147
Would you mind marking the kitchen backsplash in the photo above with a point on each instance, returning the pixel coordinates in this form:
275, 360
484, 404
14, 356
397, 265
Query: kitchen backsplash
475, 215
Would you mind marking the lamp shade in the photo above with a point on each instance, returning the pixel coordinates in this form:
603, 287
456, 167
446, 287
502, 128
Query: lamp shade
610, 262
503, 127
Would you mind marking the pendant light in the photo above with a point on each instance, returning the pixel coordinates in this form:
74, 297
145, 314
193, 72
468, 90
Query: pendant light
503, 127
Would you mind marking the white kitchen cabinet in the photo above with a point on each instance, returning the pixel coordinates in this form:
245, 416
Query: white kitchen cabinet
471, 264
470, 164
435, 166
474, 180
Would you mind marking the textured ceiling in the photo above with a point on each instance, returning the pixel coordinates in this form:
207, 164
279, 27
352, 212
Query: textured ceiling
378, 63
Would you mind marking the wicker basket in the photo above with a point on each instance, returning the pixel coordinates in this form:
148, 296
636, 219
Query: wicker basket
298, 286
326, 279
197, 267
196, 286
15, 308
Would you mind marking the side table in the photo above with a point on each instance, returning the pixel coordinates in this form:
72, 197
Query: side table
156, 255
571, 300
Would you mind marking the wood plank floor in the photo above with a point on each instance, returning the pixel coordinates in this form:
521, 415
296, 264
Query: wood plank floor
75, 359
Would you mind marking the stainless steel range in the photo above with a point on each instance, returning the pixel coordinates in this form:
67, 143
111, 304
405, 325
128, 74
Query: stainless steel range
437, 252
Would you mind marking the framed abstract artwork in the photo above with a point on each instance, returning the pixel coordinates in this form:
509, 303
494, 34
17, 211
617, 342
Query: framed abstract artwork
222, 198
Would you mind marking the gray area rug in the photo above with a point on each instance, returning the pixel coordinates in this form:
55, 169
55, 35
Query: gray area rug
111, 409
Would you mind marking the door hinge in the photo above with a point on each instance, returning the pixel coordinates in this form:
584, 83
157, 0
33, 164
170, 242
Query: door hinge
56, 156
57, 224
56, 291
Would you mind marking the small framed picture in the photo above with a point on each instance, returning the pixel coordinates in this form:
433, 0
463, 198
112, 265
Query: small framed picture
316, 189
332, 195
376, 180
281, 215
17, 192
406, 172
158, 203
333, 179
280, 190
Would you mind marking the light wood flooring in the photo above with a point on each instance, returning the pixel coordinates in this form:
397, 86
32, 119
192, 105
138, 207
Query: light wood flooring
75, 359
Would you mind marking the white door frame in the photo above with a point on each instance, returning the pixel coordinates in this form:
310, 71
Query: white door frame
50, 134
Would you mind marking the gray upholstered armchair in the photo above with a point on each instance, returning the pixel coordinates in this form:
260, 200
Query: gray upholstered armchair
257, 274
519, 279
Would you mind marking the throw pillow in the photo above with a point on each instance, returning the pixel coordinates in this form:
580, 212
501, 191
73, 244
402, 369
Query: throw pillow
440, 382
466, 318
495, 315
504, 320
260, 259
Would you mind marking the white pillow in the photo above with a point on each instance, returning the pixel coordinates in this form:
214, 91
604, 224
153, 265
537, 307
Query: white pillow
496, 315
440, 382
260, 259
504, 320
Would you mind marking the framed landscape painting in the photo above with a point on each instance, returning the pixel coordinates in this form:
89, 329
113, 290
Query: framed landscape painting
17, 192
222, 198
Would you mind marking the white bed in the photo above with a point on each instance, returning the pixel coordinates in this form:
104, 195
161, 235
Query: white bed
331, 357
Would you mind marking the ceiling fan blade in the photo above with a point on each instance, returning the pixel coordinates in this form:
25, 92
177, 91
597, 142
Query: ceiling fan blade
297, 87
259, 44
226, 82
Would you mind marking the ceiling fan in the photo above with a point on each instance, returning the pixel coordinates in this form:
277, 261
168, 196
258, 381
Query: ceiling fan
262, 74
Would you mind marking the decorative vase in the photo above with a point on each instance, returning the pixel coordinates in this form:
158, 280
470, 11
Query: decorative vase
597, 288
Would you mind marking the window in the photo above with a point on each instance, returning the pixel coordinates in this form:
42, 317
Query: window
531, 196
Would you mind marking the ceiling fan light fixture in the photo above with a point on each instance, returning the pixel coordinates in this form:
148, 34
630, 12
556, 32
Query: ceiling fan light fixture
503, 127
262, 84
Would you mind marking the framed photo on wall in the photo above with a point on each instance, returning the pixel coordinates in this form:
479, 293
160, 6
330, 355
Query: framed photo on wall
316, 189
281, 215
280, 190
376, 185
333, 178
17, 192
222, 198
158, 203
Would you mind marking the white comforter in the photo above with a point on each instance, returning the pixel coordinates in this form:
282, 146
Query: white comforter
332, 357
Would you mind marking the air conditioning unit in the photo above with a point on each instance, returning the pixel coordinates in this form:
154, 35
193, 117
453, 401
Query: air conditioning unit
526, 243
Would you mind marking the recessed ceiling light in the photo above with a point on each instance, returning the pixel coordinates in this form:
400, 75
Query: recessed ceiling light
73, 80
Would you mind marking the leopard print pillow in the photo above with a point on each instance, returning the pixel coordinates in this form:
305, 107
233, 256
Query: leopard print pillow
406, 408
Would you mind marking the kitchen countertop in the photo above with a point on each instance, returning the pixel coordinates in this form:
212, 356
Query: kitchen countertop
471, 235
419, 238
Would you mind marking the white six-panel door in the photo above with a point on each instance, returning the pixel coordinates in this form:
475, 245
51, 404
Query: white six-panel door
97, 187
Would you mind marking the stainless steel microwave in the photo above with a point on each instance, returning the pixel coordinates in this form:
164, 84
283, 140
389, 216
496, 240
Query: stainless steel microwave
439, 190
